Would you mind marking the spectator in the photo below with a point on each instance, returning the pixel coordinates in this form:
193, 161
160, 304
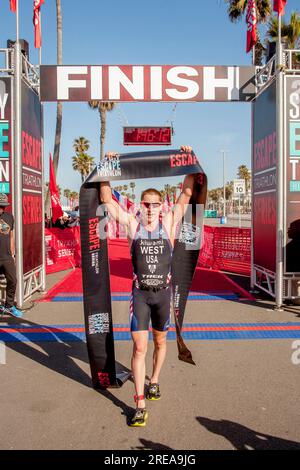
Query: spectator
7, 255
63, 221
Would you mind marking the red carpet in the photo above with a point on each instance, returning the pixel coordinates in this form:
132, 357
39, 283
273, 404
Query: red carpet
206, 281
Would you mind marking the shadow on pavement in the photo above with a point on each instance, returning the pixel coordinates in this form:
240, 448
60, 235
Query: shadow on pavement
57, 355
243, 438
150, 445
127, 411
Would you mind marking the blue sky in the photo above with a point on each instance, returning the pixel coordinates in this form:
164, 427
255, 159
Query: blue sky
139, 32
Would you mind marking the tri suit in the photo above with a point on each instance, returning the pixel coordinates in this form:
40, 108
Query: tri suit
151, 253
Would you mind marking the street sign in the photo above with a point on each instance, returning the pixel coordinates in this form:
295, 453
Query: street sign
239, 187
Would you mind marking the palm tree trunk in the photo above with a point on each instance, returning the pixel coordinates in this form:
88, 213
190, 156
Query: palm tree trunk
102, 131
59, 103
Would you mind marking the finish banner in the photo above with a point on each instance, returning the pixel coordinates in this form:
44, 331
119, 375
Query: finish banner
95, 267
149, 83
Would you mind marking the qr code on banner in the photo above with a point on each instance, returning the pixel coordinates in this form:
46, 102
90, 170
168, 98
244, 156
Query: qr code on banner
98, 323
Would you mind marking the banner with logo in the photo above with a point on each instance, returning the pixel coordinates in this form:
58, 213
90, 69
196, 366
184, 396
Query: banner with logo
32, 179
95, 268
151, 83
264, 167
62, 249
292, 176
6, 154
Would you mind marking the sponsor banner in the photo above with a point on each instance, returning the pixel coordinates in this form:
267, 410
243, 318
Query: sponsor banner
62, 249
95, 268
264, 168
292, 176
32, 179
147, 83
155, 165
6, 154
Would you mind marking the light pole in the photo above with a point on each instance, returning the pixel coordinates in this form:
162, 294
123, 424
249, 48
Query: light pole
224, 186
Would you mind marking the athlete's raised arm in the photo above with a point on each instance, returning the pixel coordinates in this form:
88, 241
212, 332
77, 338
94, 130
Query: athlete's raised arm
117, 213
185, 195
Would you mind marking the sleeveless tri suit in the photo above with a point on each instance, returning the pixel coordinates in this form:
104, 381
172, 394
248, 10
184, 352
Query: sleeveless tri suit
151, 253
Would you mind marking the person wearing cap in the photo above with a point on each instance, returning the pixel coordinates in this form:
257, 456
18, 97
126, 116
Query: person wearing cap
7, 254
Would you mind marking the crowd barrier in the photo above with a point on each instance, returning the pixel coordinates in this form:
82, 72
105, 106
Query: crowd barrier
227, 249
224, 248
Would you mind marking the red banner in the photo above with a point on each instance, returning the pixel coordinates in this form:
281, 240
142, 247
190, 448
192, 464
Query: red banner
279, 6
227, 249
37, 23
13, 5
55, 202
62, 249
251, 20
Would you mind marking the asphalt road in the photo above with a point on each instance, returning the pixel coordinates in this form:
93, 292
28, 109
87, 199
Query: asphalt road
242, 394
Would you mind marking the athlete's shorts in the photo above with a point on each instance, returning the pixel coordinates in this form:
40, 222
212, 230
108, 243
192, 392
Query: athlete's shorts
146, 305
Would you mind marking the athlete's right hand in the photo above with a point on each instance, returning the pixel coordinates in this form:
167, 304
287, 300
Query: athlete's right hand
111, 155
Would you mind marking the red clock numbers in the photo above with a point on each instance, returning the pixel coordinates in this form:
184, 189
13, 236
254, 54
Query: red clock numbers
147, 135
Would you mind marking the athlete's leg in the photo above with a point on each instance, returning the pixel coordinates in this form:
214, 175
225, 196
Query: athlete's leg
138, 364
159, 354
139, 326
160, 317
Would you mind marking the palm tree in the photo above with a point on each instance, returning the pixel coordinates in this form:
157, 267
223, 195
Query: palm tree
228, 190
102, 107
82, 163
59, 103
244, 174
73, 197
214, 194
237, 9
67, 193
167, 189
289, 31
81, 145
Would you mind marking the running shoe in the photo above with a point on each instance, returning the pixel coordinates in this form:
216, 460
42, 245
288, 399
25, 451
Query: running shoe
153, 392
139, 418
12, 311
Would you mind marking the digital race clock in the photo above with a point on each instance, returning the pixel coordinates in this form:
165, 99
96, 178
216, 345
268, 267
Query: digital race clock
147, 135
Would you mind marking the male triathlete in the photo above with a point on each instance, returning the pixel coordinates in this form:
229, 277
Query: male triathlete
151, 241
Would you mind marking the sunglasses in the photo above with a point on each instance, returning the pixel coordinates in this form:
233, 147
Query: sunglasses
151, 204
